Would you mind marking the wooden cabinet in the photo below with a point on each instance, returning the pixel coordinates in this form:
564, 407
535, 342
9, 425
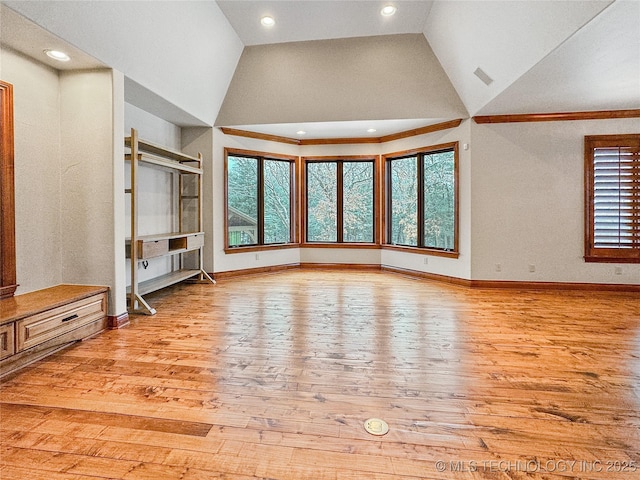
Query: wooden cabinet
7, 345
187, 238
36, 324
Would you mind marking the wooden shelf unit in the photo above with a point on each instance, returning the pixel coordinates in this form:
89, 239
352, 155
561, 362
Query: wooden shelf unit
142, 247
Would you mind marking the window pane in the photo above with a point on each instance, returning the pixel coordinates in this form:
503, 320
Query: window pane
357, 201
439, 200
404, 201
242, 201
277, 201
322, 205
616, 183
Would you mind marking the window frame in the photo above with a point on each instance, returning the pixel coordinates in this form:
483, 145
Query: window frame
419, 153
592, 253
8, 280
261, 157
304, 210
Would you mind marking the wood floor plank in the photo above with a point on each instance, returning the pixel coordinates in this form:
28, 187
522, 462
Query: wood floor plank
273, 376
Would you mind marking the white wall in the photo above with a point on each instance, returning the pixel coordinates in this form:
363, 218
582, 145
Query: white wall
37, 171
118, 287
222, 261
455, 267
521, 204
157, 206
151, 127
527, 202
460, 267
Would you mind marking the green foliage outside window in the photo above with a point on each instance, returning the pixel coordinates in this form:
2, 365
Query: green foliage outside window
257, 185
340, 201
322, 202
422, 200
439, 200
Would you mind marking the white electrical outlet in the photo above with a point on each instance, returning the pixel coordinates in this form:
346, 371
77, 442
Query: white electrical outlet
257, 256
426, 260
498, 267
617, 270
532, 268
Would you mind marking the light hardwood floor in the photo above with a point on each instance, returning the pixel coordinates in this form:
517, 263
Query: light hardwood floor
273, 376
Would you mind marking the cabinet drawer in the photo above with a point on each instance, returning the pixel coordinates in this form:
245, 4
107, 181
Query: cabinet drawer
152, 248
195, 241
7, 345
44, 326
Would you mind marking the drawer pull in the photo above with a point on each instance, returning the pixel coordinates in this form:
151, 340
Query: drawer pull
70, 317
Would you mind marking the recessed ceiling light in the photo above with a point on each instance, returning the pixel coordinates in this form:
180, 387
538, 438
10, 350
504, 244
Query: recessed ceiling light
57, 55
371, 130
267, 21
388, 11
301, 132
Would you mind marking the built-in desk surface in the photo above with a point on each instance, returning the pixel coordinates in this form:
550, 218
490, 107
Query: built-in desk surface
27, 304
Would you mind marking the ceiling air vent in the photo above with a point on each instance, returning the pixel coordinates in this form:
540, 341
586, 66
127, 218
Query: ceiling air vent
482, 75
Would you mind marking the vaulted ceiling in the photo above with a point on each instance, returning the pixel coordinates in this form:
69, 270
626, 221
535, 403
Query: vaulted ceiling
334, 67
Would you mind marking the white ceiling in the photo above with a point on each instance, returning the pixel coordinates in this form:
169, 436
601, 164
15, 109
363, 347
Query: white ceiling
597, 68
26, 37
182, 52
543, 56
506, 39
301, 20
349, 129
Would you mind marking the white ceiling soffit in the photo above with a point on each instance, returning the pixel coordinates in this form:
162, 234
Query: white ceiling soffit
27, 38
355, 129
184, 51
303, 20
503, 38
349, 79
599, 65
152, 103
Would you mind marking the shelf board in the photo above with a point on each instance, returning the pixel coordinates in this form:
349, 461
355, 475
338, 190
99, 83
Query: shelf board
162, 281
165, 162
164, 236
171, 248
152, 148
170, 252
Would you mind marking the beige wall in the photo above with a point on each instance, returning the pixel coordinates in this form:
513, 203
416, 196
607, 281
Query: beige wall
86, 174
66, 176
527, 203
200, 140
521, 205
365, 78
37, 171
521, 189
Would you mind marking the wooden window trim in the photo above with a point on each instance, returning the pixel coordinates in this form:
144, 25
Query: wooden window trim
8, 280
304, 243
261, 156
607, 255
455, 252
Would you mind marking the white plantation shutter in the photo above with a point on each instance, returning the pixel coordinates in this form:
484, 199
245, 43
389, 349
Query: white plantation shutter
613, 196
